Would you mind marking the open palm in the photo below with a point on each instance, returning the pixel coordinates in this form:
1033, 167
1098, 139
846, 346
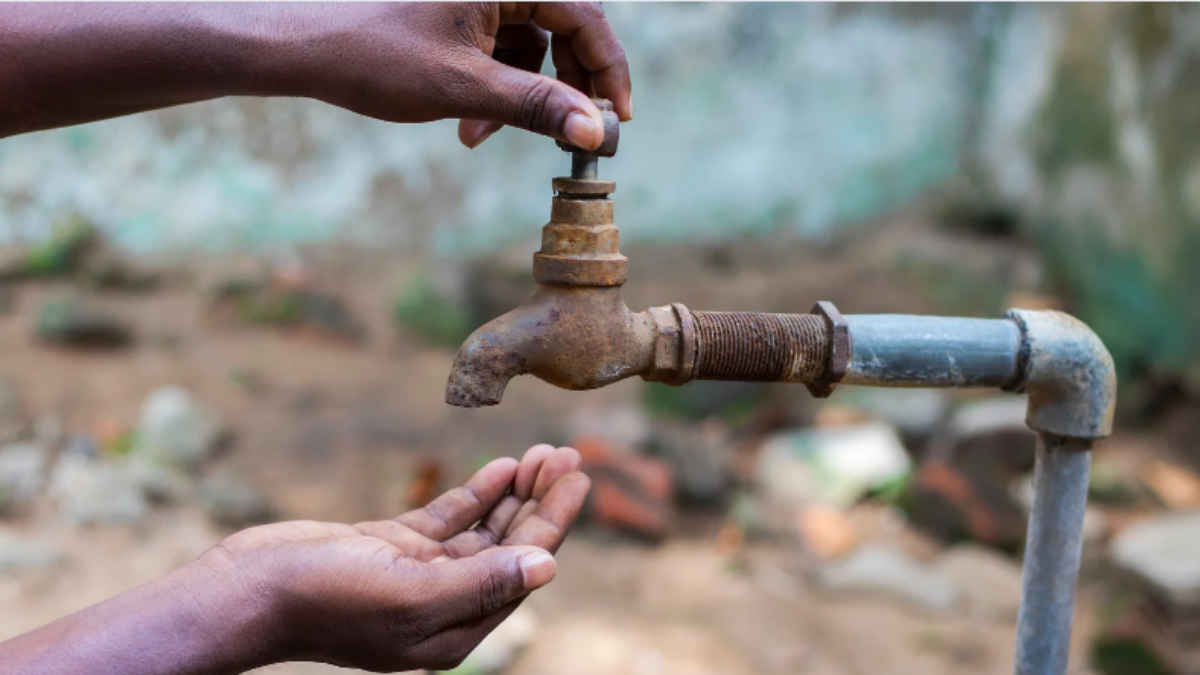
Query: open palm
421, 589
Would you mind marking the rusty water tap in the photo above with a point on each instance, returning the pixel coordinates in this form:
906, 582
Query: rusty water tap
577, 333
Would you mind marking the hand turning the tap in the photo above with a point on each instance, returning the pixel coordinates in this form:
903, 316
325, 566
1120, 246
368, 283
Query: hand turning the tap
413, 62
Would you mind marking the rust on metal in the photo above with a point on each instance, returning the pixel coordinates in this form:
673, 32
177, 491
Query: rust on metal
1068, 374
577, 333
839, 349
612, 132
578, 188
757, 347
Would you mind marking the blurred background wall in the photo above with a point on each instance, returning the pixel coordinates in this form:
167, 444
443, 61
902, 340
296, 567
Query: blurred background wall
1074, 122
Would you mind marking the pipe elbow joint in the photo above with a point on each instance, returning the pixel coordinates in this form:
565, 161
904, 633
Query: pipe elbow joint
1068, 374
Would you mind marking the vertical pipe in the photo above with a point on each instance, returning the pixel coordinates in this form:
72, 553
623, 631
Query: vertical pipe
1055, 542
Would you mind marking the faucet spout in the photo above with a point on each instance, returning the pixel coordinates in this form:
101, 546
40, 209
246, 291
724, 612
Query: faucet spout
573, 337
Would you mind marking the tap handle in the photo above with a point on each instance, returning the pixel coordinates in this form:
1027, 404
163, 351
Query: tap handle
612, 132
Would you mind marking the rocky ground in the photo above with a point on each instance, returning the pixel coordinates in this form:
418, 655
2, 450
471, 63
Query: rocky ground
146, 410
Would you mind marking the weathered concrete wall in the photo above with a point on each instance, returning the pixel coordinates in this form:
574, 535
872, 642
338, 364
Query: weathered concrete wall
749, 118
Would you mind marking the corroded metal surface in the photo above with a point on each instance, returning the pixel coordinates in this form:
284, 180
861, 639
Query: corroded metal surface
575, 332
756, 347
572, 337
839, 349
579, 187
612, 133
1052, 553
1068, 374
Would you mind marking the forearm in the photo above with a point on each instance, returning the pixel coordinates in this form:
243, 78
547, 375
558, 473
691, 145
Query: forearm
198, 620
73, 63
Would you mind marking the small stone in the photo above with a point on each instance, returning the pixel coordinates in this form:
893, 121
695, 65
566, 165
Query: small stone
21, 469
699, 459
1163, 551
916, 413
175, 429
232, 502
882, 570
20, 553
988, 415
835, 466
629, 492
161, 484
987, 583
71, 322
626, 425
91, 490
14, 424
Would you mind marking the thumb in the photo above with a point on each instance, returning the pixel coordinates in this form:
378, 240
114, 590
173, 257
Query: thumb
533, 102
479, 585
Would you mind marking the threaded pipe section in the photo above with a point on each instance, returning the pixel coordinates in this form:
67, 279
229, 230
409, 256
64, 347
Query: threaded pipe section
755, 347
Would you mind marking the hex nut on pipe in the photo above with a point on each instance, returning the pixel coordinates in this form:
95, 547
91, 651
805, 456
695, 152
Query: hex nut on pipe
1068, 374
839, 349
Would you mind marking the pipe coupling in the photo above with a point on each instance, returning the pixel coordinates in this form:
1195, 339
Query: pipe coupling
1067, 373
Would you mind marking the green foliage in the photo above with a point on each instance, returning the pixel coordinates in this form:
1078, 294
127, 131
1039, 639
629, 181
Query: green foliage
1148, 315
1127, 656
955, 288
61, 254
273, 309
1076, 124
121, 445
435, 319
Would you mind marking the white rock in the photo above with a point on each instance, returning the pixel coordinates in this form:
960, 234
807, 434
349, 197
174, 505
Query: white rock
626, 425
989, 415
1165, 551
987, 583
18, 552
91, 490
884, 570
912, 411
175, 429
21, 473
831, 466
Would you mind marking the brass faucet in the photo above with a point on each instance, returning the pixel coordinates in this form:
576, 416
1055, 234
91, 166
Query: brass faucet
577, 333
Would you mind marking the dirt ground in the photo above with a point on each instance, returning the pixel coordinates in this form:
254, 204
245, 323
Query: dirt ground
335, 433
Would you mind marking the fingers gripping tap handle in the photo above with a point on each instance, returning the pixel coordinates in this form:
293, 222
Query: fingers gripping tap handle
612, 133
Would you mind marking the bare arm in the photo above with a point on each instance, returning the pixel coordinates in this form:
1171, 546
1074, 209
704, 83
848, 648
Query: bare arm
63, 64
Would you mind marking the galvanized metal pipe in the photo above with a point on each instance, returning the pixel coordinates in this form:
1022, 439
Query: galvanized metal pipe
902, 350
1052, 551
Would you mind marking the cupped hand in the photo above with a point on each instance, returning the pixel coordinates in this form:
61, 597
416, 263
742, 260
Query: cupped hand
478, 62
420, 590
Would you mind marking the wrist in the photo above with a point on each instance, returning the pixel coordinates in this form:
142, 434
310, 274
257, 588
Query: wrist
198, 620
234, 611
